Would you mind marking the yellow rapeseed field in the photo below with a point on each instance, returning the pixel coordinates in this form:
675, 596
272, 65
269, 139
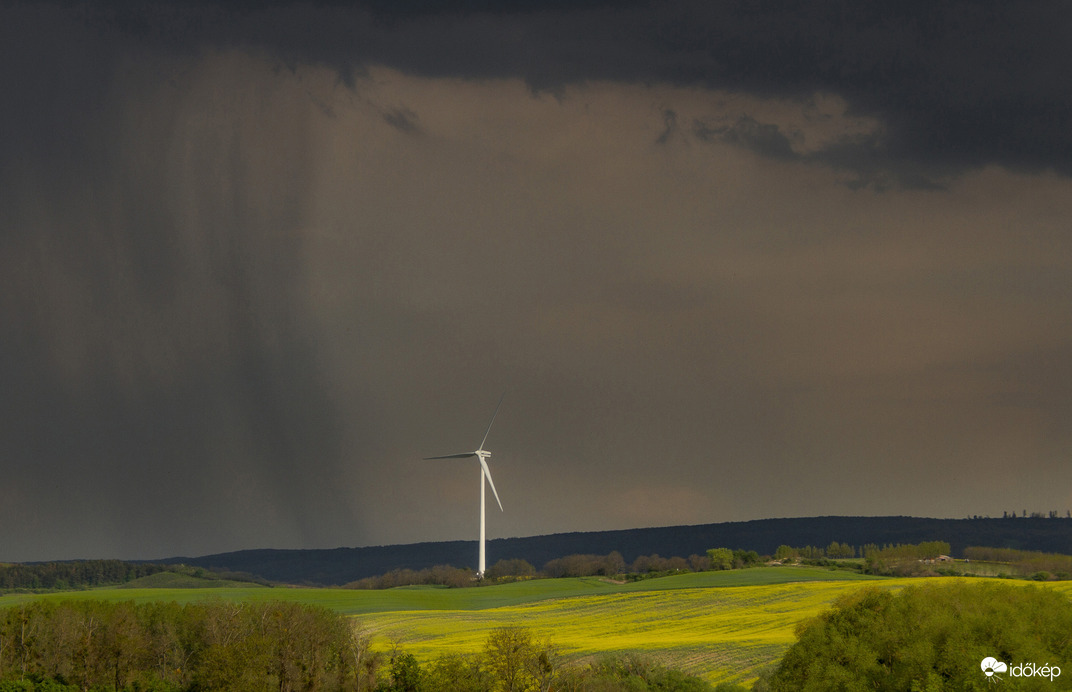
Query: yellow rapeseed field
723, 633
720, 633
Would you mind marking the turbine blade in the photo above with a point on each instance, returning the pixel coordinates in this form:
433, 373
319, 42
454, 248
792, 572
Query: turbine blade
463, 455
489, 427
487, 474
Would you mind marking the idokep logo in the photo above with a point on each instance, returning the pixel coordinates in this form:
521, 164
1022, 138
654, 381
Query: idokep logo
991, 667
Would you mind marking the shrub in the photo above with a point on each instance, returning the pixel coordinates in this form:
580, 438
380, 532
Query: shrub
932, 636
456, 672
509, 568
630, 673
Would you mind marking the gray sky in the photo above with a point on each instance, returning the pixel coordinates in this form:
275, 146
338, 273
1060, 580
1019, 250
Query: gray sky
728, 261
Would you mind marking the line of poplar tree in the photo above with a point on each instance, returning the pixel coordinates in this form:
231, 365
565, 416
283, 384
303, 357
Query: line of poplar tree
166, 647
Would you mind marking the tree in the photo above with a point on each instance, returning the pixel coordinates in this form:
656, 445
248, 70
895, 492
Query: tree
517, 661
510, 568
745, 558
721, 558
926, 637
651, 563
168, 657
405, 675
699, 563
613, 564
630, 672
585, 565
785, 552
122, 643
453, 673
836, 550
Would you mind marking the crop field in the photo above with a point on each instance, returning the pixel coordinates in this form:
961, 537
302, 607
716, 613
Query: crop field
709, 624
720, 631
356, 602
721, 625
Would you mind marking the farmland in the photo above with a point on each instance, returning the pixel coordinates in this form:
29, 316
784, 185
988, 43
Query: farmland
721, 625
721, 629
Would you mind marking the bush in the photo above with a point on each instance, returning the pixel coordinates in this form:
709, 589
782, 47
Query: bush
38, 686
456, 672
514, 660
745, 558
585, 565
439, 575
927, 637
405, 675
504, 569
629, 673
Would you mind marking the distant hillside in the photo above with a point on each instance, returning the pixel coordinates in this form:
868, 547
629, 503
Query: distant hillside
177, 580
342, 565
72, 574
81, 574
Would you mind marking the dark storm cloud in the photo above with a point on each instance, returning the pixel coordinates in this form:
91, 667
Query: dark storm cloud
670, 126
402, 119
766, 139
237, 293
861, 156
158, 381
954, 85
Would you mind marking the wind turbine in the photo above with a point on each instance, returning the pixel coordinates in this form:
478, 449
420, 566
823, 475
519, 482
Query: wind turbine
481, 454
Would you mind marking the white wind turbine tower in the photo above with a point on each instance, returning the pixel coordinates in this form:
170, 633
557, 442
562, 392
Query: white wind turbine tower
481, 454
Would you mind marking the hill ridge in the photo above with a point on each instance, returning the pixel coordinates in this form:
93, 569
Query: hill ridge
334, 566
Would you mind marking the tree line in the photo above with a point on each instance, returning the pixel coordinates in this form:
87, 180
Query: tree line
1052, 514
611, 565
66, 575
165, 647
837, 550
900, 559
440, 575
81, 574
834, 551
1025, 562
905, 559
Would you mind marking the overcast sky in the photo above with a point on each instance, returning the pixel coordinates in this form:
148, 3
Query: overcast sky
728, 261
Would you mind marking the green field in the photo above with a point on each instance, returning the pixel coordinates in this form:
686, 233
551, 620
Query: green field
721, 625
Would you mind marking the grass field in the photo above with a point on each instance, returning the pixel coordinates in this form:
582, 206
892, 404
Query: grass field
417, 598
721, 625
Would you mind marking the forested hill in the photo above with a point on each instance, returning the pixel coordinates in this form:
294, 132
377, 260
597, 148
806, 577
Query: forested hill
343, 565
83, 574
73, 574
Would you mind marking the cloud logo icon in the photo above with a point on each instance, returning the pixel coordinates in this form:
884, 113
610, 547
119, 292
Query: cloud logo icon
991, 665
